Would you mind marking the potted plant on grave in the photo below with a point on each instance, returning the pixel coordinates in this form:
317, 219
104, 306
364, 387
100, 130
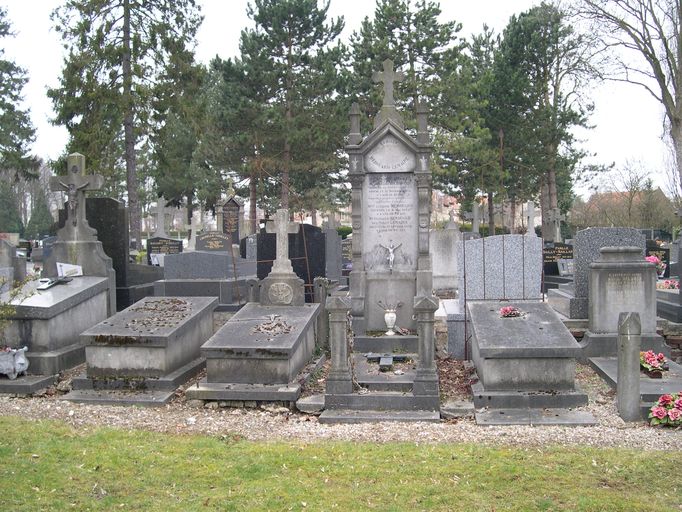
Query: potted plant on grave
667, 411
13, 361
653, 364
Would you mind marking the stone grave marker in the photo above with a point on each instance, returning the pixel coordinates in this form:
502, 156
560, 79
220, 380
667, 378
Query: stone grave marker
214, 241
662, 253
229, 213
159, 243
552, 253
571, 299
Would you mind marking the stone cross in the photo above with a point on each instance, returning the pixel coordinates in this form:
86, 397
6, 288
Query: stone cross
75, 184
388, 76
530, 218
555, 217
475, 217
282, 228
160, 231
194, 228
230, 188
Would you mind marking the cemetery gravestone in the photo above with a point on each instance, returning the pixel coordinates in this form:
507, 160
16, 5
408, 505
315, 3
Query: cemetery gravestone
662, 253
571, 299
214, 241
159, 243
230, 213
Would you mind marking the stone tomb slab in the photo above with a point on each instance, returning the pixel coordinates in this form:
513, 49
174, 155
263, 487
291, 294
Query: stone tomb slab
238, 354
533, 352
49, 322
152, 338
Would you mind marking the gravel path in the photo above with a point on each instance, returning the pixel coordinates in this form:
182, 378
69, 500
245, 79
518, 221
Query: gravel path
279, 424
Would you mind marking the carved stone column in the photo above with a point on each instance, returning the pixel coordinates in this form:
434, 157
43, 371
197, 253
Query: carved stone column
340, 379
426, 379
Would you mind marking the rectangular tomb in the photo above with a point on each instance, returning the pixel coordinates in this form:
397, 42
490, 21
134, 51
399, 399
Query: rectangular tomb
50, 321
150, 339
532, 352
262, 345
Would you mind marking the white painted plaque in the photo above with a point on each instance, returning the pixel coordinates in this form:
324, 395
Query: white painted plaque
390, 155
390, 222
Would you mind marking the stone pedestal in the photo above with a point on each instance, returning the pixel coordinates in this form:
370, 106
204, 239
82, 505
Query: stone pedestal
620, 281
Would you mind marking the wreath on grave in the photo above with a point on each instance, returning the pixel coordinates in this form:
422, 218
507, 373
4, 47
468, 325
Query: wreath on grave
667, 411
653, 364
510, 312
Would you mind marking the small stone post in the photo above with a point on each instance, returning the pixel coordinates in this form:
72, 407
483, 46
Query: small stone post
629, 341
321, 288
339, 380
426, 378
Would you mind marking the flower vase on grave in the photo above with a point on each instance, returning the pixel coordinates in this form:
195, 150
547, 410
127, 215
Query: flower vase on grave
390, 318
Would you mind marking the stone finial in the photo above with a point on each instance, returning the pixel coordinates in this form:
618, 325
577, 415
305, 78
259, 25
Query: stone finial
355, 137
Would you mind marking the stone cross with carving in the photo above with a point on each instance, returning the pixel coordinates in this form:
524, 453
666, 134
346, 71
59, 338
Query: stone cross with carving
388, 76
555, 217
75, 184
160, 230
282, 228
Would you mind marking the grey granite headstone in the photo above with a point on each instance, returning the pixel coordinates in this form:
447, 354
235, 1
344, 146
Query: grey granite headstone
500, 267
588, 242
333, 262
206, 265
214, 241
443, 245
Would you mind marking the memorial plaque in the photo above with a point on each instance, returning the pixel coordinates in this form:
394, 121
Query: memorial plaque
552, 253
390, 155
159, 245
390, 230
214, 241
230, 220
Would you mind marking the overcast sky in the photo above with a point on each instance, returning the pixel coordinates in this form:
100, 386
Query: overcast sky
628, 122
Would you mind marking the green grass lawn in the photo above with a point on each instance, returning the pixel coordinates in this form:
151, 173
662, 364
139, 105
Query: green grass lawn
46, 465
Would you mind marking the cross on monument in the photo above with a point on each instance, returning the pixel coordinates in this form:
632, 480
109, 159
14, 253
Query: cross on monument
193, 226
530, 218
230, 188
555, 217
474, 216
282, 228
75, 184
160, 231
388, 76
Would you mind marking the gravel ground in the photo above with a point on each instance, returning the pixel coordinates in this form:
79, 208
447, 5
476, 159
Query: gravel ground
275, 423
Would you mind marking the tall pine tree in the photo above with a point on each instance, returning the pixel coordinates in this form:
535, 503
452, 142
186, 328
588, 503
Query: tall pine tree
293, 53
117, 50
16, 130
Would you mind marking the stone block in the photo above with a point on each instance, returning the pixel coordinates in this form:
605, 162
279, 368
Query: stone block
150, 339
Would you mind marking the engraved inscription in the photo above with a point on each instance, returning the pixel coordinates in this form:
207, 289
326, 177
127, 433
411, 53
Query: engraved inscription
281, 293
390, 155
390, 220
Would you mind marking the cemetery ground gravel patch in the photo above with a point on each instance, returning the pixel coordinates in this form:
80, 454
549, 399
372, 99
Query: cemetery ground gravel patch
276, 423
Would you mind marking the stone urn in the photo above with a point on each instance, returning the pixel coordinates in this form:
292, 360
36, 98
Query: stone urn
390, 318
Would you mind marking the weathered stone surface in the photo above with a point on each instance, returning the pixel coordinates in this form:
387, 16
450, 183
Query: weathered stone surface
151, 338
240, 353
207, 265
443, 247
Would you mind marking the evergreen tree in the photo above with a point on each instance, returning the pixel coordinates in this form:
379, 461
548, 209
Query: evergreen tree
41, 219
16, 130
293, 55
117, 49
10, 220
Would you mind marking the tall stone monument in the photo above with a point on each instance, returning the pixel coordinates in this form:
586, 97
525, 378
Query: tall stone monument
391, 281
391, 204
77, 242
230, 214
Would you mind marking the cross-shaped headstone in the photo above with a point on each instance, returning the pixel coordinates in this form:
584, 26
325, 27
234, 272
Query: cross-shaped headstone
474, 216
160, 231
555, 217
194, 229
388, 76
530, 218
75, 184
282, 227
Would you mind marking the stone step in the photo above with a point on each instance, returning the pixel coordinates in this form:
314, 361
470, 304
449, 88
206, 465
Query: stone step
650, 389
249, 392
116, 397
53, 361
382, 401
26, 384
365, 416
396, 343
313, 404
532, 416
527, 399
367, 376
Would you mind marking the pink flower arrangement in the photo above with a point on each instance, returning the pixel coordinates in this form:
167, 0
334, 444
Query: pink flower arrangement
660, 266
668, 284
667, 410
509, 311
652, 362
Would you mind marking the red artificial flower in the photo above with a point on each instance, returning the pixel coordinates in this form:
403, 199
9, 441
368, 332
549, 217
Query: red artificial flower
659, 412
665, 399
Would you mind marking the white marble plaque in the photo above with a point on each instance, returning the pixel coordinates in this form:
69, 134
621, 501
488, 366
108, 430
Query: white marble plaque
390, 155
390, 222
